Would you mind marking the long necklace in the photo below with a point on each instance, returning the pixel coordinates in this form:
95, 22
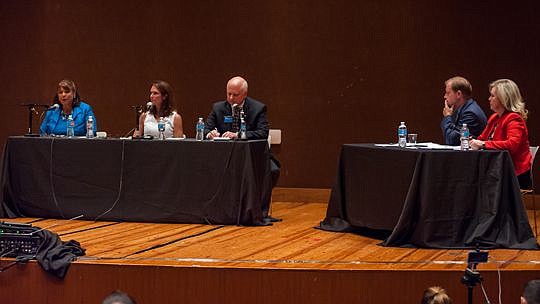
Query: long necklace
64, 115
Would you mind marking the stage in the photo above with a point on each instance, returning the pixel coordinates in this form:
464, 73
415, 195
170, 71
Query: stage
289, 262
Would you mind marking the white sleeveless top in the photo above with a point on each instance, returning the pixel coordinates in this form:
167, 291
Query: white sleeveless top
150, 125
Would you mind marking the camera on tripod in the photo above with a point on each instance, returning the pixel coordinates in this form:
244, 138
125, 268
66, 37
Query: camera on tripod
471, 276
475, 257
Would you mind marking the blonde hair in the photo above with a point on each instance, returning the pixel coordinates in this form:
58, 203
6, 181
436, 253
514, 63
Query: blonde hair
508, 94
435, 295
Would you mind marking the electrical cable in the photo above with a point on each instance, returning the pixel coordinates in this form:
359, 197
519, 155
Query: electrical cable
499, 281
119, 184
485, 294
53, 192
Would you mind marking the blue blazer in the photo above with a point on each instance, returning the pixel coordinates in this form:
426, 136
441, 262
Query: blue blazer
55, 123
471, 114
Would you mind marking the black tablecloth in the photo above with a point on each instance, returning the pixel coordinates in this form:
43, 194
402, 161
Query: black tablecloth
136, 180
430, 198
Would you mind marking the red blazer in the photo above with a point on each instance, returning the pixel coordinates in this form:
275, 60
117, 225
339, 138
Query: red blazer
510, 134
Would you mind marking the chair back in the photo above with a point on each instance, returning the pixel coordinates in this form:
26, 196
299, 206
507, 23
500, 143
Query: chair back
274, 137
533, 149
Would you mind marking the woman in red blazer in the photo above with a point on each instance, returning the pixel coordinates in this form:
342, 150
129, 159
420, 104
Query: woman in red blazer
506, 128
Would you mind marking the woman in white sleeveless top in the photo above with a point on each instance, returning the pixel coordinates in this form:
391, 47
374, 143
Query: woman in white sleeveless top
162, 107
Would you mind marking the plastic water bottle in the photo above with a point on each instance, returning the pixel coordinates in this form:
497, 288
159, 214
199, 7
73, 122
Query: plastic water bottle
90, 127
161, 128
402, 135
200, 129
70, 126
243, 130
464, 137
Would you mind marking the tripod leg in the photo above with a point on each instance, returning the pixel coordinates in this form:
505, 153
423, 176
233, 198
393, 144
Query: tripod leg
470, 294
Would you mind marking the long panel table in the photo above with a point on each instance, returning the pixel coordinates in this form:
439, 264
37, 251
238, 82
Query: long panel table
183, 181
429, 198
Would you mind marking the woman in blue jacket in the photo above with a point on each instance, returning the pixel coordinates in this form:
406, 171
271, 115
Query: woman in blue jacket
68, 103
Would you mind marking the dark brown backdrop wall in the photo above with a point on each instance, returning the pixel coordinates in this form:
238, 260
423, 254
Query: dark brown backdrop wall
331, 72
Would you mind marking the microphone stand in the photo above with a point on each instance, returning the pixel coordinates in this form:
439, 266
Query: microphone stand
138, 112
32, 110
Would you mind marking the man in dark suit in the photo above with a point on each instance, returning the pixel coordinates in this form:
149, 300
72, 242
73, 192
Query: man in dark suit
224, 121
460, 108
221, 121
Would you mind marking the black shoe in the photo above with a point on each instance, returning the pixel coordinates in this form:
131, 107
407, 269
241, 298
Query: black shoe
271, 219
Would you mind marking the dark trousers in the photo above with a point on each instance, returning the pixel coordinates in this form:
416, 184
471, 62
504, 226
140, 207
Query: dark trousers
525, 181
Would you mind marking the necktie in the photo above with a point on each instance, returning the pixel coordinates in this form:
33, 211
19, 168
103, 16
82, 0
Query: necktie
236, 119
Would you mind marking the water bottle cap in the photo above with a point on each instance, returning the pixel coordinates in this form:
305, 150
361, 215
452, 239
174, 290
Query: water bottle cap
464, 124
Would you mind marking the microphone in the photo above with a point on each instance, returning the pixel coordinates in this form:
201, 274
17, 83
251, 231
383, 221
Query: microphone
53, 107
149, 106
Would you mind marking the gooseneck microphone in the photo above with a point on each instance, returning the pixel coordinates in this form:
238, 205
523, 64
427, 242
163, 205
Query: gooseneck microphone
32, 110
53, 107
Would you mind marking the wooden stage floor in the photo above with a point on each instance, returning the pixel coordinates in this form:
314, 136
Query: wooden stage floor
289, 262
